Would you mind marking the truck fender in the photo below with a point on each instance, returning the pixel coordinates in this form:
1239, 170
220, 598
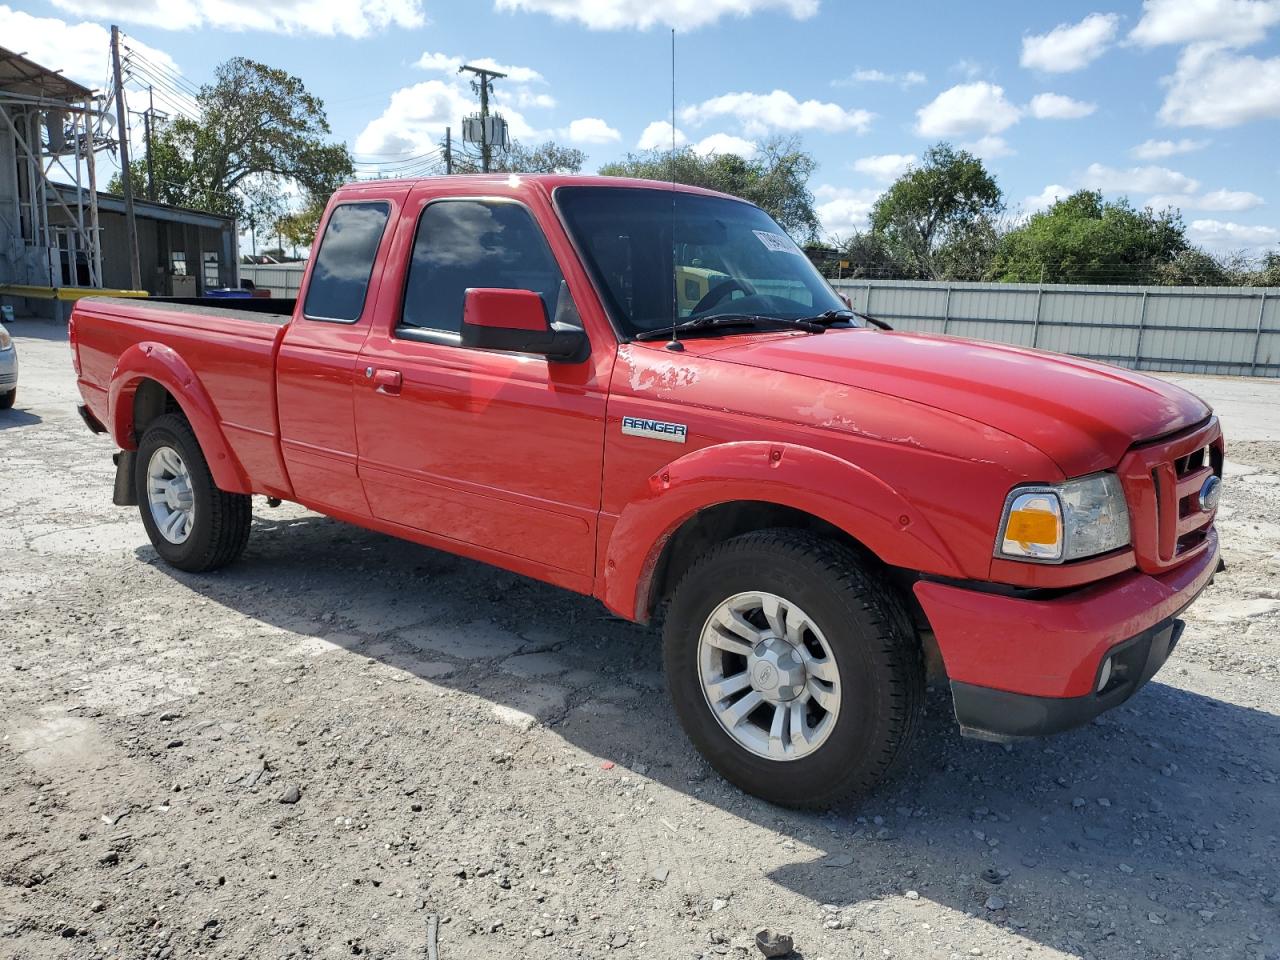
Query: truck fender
148, 360
817, 483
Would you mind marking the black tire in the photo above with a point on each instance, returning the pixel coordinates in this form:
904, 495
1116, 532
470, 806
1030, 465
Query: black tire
870, 636
7, 399
221, 522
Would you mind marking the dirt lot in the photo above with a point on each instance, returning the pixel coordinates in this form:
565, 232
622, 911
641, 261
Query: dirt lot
500, 755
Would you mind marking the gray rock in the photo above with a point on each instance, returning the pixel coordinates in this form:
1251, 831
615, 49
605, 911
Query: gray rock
995, 903
772, 943
291, 794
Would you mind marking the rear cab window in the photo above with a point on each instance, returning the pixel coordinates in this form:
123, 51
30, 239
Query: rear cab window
462, 244
339, 281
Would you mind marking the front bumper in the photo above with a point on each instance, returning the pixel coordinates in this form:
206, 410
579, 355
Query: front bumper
1020, 667
8, 370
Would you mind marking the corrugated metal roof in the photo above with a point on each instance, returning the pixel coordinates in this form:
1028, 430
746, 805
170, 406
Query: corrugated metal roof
147, 208
27, 78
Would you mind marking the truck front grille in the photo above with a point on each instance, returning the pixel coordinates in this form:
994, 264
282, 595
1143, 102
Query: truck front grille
1163, 481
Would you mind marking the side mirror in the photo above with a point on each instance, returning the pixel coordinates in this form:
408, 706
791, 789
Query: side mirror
515, 321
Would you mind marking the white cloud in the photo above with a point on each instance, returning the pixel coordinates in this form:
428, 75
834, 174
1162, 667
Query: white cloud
1068, 46
844, 210
1047, 197
590, 130
657, 136
967, 108
1213, 88
1222, 235
761, 112
971, 69
909, 78
1054, 106
989, 147
1159, 149
1215, 201
642, 14
79, 50
885, 166
518, 88
1138, 180
438, 62
723, 143
414, 120
1235, 23
350, 18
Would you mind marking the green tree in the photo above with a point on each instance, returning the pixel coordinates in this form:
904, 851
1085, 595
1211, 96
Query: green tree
1086, 239
939, 219
545, 157
776, 178
258, 128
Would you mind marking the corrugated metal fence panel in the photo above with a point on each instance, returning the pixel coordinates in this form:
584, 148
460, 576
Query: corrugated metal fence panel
1225, 330
282, 279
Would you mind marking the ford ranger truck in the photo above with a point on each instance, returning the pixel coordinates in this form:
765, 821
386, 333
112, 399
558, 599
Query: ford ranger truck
647, 394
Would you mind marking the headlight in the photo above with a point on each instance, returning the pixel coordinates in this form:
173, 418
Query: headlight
6, 341
1064, 521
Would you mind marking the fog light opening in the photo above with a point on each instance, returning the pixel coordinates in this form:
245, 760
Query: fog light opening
1104, 676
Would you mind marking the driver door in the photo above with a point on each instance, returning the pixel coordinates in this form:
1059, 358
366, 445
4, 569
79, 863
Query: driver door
497, 450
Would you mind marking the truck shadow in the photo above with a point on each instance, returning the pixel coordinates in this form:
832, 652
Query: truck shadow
1150, 832
17, 417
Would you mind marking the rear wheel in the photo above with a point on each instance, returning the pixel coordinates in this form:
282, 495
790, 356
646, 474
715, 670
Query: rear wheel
793, 667
7, 399
192, 524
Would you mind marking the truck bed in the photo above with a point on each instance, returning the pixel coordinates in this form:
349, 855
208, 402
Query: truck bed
230, 350
277, 310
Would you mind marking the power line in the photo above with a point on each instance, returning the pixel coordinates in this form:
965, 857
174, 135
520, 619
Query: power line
174, 77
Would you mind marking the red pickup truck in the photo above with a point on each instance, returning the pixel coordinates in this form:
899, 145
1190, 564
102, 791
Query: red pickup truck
647, 393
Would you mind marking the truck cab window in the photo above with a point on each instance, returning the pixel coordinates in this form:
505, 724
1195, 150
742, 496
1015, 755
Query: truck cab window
344, 263
477, 243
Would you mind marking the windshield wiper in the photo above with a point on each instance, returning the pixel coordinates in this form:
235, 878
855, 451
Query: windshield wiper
832, 317
721, 321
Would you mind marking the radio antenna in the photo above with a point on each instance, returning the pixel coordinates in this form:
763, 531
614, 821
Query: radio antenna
674, 343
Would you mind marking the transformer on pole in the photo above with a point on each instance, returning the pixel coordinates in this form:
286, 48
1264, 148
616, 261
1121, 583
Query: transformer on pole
486, 130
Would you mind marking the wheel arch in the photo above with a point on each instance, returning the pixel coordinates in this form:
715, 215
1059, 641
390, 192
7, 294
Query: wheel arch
151, 379
719, 492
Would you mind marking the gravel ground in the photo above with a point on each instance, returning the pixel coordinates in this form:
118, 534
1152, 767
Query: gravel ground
345, 739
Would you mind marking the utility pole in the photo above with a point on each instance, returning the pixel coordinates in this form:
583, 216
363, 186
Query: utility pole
483, 84
126, 181
148, 119
448, 150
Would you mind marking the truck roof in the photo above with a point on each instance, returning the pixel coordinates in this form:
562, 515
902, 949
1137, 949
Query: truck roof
513, 182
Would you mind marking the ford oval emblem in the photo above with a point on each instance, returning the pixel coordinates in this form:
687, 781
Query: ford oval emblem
1210, 494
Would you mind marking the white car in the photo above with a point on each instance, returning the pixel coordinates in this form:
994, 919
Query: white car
8, 370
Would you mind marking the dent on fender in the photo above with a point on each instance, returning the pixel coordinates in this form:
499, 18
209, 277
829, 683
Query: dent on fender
156, 361
817, 483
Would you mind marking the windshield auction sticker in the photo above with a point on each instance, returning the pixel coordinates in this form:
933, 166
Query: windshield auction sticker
777, 242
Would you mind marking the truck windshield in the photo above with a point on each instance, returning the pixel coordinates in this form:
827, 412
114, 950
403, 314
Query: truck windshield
710, 256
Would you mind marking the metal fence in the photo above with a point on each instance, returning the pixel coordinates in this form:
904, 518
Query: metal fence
1219, 330
282, 279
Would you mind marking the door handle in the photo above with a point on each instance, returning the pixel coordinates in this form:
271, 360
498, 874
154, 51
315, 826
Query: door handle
388, 382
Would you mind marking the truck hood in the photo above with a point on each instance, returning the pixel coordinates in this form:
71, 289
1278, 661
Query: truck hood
1081, 414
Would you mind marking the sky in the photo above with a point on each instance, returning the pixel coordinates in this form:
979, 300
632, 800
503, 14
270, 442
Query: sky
1168, 102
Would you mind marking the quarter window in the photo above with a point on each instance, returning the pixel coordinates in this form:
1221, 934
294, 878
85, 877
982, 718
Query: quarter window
462, 244
340, 277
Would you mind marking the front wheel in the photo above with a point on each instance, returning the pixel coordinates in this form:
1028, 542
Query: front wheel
7, 399
793, 667
192, 524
